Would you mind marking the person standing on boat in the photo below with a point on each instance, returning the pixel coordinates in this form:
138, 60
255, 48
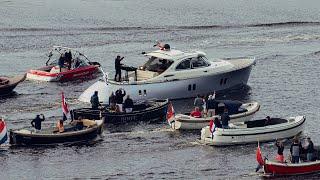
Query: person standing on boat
310, 149
68, 58
36, 122
61, 62
128, 104
199, 102
112, 101
211, 105
295, 150
117, 65
225, 118
120, 93
280, 146
95, 100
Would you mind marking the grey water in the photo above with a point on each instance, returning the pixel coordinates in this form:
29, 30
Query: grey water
283, 36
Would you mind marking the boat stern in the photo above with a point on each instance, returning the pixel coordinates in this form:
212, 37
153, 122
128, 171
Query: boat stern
99, 86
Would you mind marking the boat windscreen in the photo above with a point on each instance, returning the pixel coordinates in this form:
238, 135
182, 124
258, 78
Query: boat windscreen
156, 64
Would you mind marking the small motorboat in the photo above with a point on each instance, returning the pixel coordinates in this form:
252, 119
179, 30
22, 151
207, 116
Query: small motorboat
238, 112
253, 131
8, 84
79, 67
28, 136
273, 168
186, 73
3, 132
150, 110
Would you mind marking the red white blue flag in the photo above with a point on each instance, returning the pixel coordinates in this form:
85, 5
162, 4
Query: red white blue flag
170, 113
64, 105
3, 132
212, 126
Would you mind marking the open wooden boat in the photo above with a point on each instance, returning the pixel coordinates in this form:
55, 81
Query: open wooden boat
272, 168
253, 131
28, 136
8, 84
80, 67
151, 110
237, 111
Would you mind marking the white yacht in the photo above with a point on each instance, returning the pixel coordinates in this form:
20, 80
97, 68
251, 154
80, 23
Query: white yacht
175, 74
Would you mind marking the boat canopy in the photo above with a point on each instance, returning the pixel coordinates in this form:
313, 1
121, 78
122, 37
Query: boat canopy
173, 54
56, 51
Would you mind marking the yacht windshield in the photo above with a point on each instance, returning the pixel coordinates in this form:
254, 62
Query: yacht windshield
156, 64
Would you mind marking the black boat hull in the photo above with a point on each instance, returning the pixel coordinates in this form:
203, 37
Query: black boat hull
152, 114
33, 139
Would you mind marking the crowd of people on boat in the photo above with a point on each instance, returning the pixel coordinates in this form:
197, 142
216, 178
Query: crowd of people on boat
209, 108
116, 101
296, 150
66, 60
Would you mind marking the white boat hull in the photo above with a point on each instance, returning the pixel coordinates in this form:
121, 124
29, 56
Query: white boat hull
222, 137
175, 89
185, 122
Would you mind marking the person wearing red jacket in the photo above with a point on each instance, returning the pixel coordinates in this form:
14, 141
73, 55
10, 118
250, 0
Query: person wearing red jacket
196, 113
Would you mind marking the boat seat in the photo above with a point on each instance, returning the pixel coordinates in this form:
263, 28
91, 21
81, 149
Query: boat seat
56, 69
88, 123
144, 75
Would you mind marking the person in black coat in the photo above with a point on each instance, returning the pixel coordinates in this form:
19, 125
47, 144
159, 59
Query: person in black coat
36, 122
117, 65
217, 123
128, 104
112, 101
225, 118
68, 58
120, 93
95, 100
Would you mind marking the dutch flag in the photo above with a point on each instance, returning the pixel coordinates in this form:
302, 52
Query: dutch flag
170, 113
3, 131
212, 127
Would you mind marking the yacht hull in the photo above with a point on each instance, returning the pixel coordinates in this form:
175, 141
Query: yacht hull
173, 89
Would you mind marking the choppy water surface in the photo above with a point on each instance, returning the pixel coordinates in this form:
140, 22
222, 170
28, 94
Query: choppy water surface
284, 37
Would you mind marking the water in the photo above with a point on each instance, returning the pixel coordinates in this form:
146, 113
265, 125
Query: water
283, 36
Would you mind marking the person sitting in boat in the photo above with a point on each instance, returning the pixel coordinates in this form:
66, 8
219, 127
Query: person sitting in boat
211, 105
295, 150
225, 118
36, 122
117, 65
128, 104
120, 93
310, 149
163, 66
217, 122
60, 127
95, 100
199, 102
78, 124
280, 146
112, 101
196, 113
61, 62
267, 121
